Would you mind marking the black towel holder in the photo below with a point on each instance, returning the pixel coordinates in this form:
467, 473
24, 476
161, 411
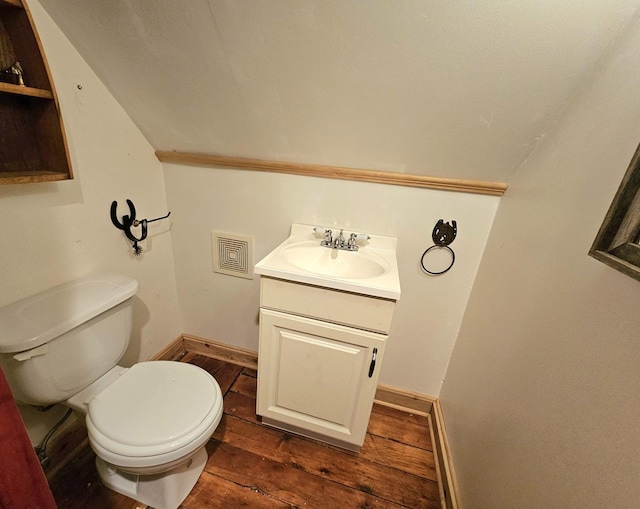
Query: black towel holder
129, 221
443, 234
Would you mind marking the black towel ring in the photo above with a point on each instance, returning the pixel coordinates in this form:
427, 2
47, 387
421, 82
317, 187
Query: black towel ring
435, 246
443, 234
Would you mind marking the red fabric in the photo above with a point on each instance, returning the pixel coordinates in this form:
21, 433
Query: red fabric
22, 481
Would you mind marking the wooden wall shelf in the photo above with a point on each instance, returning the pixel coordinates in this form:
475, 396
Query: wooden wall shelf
9, 88
33, 145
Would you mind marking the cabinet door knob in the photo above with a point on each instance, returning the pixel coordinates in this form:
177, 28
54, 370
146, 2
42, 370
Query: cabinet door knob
372, 366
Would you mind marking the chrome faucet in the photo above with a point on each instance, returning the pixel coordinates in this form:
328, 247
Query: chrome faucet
339, 242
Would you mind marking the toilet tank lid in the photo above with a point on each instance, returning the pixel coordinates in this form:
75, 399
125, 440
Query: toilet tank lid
34, 321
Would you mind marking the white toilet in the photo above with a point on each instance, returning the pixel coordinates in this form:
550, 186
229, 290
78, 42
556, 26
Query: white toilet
147, 424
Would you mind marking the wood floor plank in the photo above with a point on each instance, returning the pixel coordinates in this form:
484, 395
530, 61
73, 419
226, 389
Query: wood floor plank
403, 415
240, 406
207, 363
226, 376
285, 482
343, 467
246, 385
412, 460
224, 372
214, 492
250, 372
390, 427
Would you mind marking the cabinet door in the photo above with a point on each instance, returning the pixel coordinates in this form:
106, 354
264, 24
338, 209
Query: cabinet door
313, 376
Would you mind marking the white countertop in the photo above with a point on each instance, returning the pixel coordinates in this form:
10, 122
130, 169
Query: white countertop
378, 250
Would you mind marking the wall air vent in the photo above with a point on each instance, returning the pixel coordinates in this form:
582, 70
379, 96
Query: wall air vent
232, 254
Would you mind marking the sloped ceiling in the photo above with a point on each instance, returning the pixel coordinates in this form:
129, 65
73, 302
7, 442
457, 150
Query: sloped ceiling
442, 88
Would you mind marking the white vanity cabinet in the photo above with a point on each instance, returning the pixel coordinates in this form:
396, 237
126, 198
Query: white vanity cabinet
319, 359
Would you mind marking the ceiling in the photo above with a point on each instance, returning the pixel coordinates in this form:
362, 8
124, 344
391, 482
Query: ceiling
454, 89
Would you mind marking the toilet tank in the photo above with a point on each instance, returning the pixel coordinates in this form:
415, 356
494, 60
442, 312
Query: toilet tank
57, 342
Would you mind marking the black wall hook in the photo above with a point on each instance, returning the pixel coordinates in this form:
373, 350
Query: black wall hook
129, 221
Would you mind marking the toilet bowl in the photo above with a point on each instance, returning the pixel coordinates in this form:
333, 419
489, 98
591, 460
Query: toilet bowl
154, 415
149, 427
147, 424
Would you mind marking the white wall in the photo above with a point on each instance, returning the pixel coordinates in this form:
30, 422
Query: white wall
453, 89
225, 308
541, 398
55, 232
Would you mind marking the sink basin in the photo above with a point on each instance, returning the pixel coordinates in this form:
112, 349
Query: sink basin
312, 257
372, 270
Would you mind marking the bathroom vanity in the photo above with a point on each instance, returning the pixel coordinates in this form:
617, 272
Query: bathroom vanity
325, 316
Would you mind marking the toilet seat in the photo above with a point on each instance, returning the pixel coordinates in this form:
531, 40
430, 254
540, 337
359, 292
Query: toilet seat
156, 413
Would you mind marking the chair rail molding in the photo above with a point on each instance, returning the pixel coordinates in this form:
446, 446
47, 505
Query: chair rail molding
334, 172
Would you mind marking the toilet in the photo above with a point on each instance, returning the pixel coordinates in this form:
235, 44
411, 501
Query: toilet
148, 424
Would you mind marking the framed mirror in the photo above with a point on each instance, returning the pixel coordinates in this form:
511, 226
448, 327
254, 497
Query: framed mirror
618, 241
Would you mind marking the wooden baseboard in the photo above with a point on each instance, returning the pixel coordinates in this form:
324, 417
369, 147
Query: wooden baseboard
444, 464
403, 399
172, 352
234, 354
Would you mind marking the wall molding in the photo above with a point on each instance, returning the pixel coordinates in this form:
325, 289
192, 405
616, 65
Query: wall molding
334, 172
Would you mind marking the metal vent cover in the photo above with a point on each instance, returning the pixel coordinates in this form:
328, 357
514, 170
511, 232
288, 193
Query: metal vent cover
232, 254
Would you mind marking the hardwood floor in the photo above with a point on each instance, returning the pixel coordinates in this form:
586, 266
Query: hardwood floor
252, 465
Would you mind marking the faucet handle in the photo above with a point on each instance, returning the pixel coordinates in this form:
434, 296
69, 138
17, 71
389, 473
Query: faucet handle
328, 235
355, 239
